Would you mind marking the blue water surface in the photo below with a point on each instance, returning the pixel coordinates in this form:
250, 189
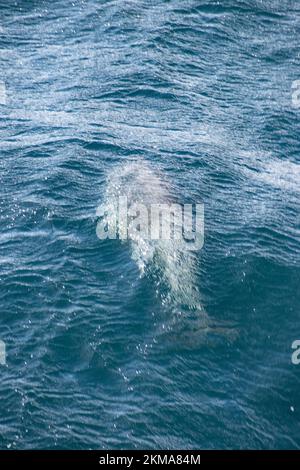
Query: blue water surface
196, 93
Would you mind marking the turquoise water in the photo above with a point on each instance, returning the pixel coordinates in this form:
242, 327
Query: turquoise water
190, 100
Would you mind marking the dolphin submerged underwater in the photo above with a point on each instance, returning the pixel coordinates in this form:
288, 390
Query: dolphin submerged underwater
170, 265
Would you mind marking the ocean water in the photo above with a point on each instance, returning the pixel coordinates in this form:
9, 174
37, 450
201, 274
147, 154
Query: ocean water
114, 344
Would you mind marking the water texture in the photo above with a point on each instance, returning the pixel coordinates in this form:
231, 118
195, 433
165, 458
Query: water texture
114, 344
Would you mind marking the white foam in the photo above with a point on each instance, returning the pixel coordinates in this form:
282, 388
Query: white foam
282, 174
2, 93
